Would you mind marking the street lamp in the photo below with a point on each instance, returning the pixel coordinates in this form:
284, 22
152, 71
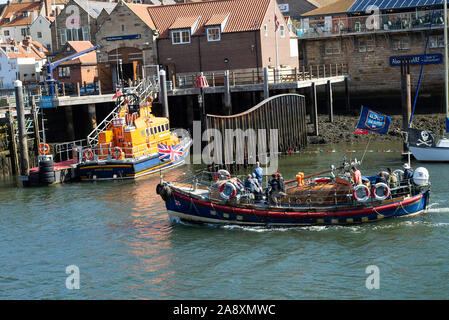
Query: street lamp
143, 58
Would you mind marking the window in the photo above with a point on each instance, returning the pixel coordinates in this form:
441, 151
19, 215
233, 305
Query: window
357, 26
64, 72
63, 37
366, 45
1, 82
213, 34
400, 44
86, 33
332, 48
282, 29
48, 47
123, 27
166, 126
23, 31
265, 30
8, 49
16, 49
180, 37
152, 131
437, 41
6, 33
25, 14
39, 34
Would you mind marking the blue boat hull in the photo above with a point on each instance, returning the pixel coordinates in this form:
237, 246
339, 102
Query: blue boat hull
182, 207
117, 169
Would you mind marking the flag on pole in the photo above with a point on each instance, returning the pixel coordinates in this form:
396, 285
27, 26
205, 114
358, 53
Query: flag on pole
373, 121
276, 22
117, 94
361, 131
168, 152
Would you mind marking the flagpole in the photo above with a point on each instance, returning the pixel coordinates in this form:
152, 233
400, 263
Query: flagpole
446, 86
276, 44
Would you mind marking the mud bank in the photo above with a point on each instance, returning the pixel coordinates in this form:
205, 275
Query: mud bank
343, 127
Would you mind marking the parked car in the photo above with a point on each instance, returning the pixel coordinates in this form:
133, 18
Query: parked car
90, 89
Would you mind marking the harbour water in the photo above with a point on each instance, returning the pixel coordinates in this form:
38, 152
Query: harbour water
119, 236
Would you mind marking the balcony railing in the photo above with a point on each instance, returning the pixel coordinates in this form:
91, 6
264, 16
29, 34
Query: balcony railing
406, 21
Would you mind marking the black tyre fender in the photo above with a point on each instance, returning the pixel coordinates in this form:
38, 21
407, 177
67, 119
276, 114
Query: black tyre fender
166, 193
159, 188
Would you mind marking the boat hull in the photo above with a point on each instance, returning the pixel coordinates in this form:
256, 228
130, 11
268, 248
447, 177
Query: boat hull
430, 154
185, 208
118, 170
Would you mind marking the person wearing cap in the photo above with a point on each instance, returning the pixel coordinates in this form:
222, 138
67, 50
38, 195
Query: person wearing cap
408, 172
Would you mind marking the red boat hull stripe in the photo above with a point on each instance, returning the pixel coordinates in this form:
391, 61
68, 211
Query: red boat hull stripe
288, 214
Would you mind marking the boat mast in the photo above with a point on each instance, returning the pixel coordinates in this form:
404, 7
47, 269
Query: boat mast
446, 87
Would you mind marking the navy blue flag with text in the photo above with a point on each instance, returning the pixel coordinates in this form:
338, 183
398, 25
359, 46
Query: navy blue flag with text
373, 121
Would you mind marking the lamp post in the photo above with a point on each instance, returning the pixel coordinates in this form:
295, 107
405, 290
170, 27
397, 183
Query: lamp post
201, 82
143, 58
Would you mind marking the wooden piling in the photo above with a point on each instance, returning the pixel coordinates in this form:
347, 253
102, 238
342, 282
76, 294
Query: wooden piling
347, 96
13, 145
227, 94
163, 93
23, 141
406, 97
314, 113
330, 101
266, 92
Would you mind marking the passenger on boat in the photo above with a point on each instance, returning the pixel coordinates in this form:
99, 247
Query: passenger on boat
357, 176
381, 178
258, 172
281, 182
366, 182
408, 172
392, 178
249, 184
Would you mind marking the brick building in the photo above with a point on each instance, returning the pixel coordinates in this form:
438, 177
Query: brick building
222, 35
127, 42
371, 45
80, 70
79, 21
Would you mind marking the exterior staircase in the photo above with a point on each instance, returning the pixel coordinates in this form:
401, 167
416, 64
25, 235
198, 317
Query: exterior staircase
143, 90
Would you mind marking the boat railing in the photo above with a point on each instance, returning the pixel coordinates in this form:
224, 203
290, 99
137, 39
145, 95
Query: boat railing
65, 150
315, 198
105, 151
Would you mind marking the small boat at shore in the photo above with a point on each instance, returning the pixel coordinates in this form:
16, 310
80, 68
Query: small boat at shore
135, 144
307, 201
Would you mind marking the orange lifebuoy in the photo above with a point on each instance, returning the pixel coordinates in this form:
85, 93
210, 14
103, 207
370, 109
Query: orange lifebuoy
44, 151
88, 154
118, 153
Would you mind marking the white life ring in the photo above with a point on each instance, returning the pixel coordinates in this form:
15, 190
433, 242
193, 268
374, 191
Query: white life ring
386, 192
224, 186
220, 173
367, 193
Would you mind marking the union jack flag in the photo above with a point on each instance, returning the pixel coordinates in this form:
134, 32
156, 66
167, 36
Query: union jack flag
169, 152
276, 22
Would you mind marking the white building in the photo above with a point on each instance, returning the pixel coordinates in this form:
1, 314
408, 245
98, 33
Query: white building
40, 30
16, 20
23, 61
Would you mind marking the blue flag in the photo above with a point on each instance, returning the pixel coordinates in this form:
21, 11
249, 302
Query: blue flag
373, 121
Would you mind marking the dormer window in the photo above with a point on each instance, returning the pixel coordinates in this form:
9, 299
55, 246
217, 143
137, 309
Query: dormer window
28, 49
25, 14
180, 36
213, 34
16, 49
8, 49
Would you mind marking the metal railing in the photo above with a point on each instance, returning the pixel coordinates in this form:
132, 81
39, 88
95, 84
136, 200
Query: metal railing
143, 90
405, 21
255, 76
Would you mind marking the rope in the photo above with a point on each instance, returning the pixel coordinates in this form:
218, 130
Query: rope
366, 149
422, 68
